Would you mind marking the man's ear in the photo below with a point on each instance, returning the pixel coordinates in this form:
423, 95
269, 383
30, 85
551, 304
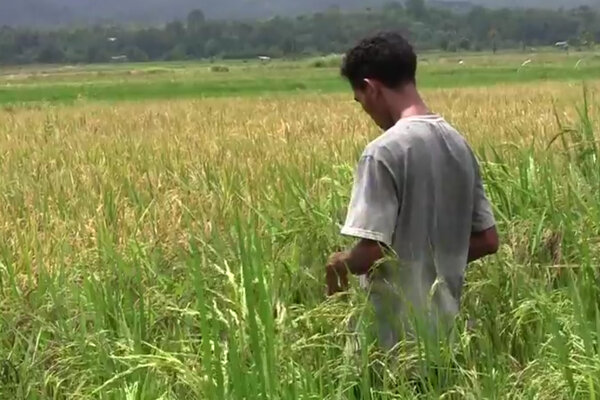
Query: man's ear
369, 84
372, 87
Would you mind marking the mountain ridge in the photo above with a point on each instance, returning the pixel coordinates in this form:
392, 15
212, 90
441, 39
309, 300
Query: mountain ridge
61, 12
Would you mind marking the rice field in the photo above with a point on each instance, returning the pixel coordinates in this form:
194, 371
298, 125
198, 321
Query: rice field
175, 249
74, 84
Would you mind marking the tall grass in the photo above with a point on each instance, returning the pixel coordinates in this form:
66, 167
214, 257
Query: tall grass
176, 250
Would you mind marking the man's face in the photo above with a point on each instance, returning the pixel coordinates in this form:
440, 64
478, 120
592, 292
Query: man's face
371, 98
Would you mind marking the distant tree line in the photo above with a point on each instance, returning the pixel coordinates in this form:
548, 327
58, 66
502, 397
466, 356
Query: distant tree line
320, 33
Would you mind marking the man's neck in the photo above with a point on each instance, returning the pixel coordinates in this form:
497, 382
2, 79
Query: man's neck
407, 104
414, 110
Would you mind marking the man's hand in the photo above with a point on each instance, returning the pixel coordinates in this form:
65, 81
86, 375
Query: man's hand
483, 244
358, 261
337, 273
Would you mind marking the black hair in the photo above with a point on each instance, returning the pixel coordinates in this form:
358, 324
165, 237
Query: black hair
387, 57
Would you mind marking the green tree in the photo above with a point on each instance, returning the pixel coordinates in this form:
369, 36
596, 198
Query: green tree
175, 31
493, 36
211, 48
97, 54
136, 54
195, 21
416, 8
444, 43
464, 43
7, 44
587, 39
179, 52
320, 33
51, 53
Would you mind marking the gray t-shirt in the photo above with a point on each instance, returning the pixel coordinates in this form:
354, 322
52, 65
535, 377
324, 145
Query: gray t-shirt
418, 190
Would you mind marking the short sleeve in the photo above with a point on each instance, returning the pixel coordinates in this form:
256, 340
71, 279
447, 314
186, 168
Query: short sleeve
373, 209
483, 216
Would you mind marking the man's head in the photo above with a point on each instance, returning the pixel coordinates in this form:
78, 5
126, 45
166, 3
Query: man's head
378, 67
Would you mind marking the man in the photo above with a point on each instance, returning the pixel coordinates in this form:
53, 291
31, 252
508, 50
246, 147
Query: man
418, 205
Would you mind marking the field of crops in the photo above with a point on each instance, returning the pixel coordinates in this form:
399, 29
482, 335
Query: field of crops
192, 80
174, 247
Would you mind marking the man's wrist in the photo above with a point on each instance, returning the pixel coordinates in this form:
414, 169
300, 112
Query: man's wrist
345, 260
340, 262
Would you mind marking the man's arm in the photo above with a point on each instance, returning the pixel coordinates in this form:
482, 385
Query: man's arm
484, 237
362, 257
358, 261
483, 244
371, 219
